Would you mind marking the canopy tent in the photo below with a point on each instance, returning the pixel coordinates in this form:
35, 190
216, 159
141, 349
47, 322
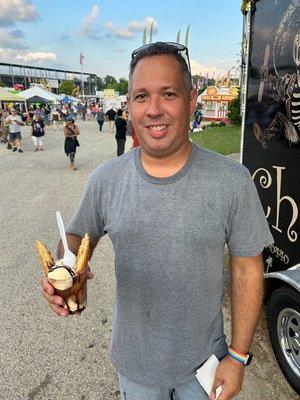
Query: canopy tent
5, 95
70, 99
36, 93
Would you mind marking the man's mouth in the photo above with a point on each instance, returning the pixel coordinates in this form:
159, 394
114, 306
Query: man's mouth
157, 127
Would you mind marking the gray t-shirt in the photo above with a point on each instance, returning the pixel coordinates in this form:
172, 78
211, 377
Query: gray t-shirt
169, 235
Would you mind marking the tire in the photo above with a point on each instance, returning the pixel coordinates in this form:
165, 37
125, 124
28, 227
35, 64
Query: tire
284, 330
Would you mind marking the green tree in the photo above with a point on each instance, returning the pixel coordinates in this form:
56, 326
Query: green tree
67, 87
110, 82
234, 110
122, 86
100, 83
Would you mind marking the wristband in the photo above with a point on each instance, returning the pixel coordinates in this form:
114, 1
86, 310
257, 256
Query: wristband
244, 359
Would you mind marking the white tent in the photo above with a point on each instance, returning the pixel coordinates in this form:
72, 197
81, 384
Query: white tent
37, 93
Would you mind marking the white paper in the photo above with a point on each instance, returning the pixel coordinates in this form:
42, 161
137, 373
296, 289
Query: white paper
206, 374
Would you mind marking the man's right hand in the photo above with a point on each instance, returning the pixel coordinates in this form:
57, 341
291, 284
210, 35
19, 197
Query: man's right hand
56, 303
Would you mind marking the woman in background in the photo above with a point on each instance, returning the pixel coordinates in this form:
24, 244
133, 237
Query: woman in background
71, 131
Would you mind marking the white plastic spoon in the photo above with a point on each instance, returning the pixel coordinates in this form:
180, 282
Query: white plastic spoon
69, 258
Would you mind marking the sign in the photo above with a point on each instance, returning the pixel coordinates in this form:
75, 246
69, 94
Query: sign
109, 94
272, 127
53, 83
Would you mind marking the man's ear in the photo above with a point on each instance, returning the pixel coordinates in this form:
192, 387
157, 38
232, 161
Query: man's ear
193, 100
128, 100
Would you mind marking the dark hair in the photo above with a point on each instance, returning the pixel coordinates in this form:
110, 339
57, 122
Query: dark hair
119, 112
161, 48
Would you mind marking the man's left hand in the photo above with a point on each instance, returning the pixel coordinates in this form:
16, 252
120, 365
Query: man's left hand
229, 375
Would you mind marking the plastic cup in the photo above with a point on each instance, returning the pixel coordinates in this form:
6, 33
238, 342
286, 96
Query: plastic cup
76, 296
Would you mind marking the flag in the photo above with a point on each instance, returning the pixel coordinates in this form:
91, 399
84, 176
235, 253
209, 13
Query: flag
145, 36
151, 31
81, 58
187, 37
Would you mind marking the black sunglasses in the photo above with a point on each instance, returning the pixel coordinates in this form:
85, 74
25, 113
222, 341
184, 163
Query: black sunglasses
180, 48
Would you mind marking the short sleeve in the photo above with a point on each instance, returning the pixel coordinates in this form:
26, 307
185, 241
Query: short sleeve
248, 230
89, 217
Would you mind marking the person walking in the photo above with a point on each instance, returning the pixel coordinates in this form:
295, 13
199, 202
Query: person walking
55, 118
84, 111
100, 118
120, 136
38, 131
111, 115
15, 122
71, 131
4, 128
170, 206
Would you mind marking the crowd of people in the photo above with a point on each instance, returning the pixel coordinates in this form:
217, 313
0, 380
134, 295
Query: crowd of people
62, 116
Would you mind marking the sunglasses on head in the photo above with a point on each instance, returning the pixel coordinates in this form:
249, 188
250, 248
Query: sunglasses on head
180, 48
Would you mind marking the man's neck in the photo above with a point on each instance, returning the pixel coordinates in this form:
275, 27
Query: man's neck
164, 167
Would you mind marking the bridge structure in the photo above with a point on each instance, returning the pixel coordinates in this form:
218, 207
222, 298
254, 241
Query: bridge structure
12, 74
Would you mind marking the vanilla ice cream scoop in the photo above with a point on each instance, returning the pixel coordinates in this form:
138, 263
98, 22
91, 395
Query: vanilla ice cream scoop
61, 276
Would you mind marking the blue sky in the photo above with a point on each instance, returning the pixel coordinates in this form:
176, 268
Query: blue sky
53, 32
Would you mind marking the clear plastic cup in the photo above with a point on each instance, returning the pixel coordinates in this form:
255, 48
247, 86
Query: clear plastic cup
76, 296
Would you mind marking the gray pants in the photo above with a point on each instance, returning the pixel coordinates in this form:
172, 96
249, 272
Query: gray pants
188, 391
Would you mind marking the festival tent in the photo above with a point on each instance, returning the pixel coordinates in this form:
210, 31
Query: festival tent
70, 99
5, 95
36, 94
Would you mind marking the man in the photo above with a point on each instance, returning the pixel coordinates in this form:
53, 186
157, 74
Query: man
121, 125
110, 115
14, 121
169, 207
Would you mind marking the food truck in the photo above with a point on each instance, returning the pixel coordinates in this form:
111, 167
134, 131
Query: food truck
270, 149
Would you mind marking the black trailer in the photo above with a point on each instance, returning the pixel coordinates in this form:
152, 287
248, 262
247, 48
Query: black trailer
270, 149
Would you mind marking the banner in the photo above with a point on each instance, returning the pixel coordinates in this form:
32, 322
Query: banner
272, 128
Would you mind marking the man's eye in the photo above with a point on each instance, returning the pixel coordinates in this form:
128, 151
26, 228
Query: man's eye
141, 96
170, 94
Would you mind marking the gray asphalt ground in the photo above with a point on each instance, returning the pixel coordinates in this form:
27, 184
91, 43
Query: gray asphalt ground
47, 357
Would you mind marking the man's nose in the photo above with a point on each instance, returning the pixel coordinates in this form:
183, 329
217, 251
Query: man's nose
154, 107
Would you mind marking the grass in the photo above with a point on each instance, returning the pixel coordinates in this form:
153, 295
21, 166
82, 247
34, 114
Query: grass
224, 140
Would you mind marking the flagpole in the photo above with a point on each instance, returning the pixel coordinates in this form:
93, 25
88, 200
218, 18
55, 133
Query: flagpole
82, 83
81, 58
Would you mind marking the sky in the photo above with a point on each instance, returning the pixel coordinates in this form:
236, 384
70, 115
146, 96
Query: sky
53, 33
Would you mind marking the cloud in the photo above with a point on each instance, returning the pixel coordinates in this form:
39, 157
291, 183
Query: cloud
140, 26
12, 39
11, 55
89, 24
90, 27
131, 29
148, 21
36, 56
212, 71
121, 50
17, 10
118, 33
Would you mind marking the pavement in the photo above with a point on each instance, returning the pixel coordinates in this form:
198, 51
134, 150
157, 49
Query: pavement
43, 356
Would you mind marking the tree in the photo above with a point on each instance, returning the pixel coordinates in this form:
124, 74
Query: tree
67, 87
234, 110
100, 83
122, 86
110, 82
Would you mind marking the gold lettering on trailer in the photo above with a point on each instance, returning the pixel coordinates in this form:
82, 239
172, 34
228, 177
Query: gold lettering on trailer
265, 182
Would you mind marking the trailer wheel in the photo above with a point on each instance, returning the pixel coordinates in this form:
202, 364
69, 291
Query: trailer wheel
284, 330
